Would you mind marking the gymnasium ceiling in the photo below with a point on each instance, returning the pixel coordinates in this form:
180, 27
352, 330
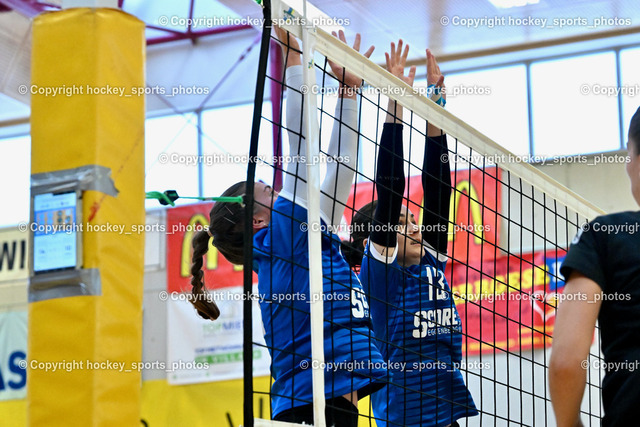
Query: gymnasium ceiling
437, 24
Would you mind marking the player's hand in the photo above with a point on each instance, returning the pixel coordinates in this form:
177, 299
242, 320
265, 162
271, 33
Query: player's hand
397, 60
345, 77
290, 46
434, 76
287, 39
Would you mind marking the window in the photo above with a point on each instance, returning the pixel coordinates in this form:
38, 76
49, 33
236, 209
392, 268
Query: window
15, 176
226, 134
171, 148
630, 71
493, 101
572, 112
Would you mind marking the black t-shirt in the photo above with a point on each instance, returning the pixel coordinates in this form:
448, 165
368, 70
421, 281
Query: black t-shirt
608, 252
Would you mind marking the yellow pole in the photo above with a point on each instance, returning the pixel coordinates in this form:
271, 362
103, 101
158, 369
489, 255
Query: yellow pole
86, 64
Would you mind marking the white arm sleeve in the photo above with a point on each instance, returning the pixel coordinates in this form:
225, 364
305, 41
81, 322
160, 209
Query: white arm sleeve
336, 186
294, 185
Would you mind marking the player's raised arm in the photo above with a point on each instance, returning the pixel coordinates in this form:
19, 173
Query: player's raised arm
294, 185
396, 61
436, 172
390, 168
343, 146
437, 91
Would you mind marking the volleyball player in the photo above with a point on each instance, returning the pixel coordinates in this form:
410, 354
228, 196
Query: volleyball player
281, 259
602, 273
414, 316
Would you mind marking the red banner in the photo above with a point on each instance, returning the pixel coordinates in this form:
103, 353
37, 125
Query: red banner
182, 223
473, 219
507, 304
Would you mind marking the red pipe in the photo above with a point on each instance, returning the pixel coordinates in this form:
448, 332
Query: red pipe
28, 8
196, 34
191, 4
31, 9
166, 30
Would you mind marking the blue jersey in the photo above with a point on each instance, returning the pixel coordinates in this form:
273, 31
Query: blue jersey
281, 259
420, 334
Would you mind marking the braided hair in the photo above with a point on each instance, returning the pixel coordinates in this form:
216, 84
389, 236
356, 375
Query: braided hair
226, 228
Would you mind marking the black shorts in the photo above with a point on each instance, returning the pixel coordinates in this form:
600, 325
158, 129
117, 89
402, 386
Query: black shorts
338, 411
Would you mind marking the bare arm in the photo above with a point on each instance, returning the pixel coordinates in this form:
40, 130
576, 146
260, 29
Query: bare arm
572, 337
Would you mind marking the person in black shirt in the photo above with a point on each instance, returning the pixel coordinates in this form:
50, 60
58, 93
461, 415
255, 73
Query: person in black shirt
602, 273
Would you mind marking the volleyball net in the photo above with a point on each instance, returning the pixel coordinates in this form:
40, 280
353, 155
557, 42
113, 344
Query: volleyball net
507, 229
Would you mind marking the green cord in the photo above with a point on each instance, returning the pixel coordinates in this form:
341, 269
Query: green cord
161, 197
237, 199
170, 196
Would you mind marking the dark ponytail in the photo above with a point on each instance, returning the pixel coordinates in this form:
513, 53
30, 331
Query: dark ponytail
226, 225
353, 250
206, 308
